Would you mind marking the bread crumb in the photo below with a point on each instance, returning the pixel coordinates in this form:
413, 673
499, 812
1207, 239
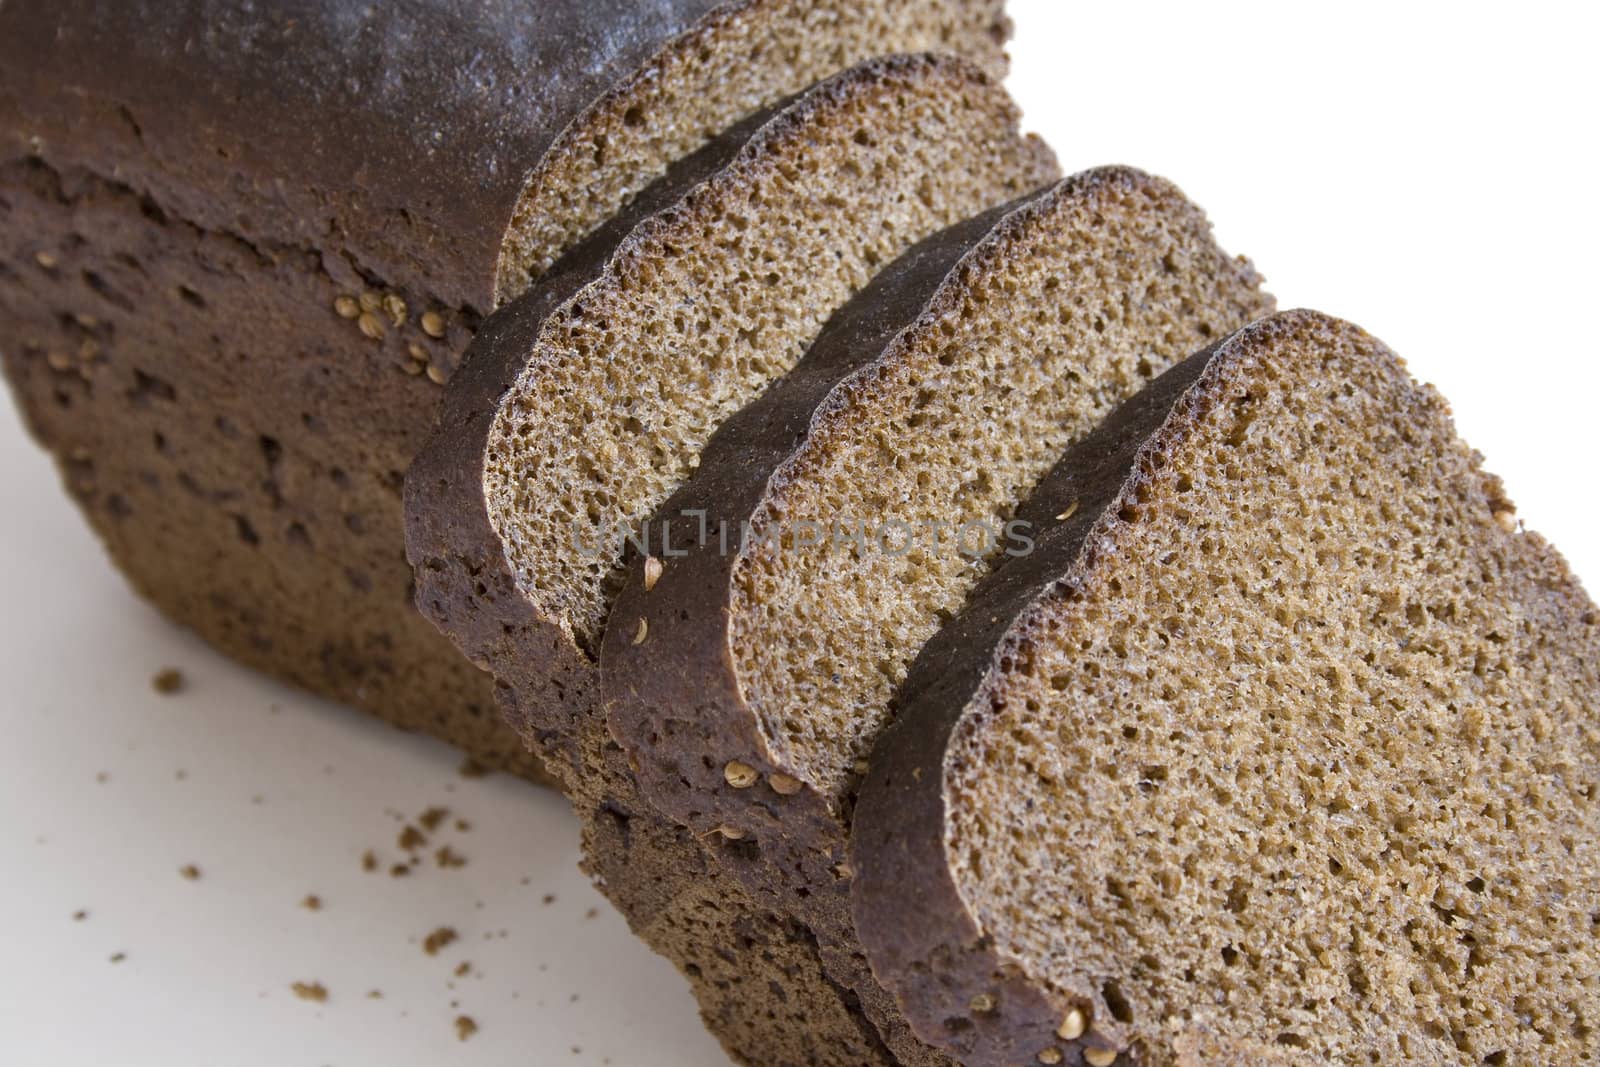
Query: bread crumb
465, 1027
411, 839
471, 768
463, 826
103, 777
167, 681
79, 915
375, 994
431, 818
449, 859
548, 899
592, 913
438, 940
118, 957
190, 871
399, 870
369, 860
463, 968
313, 991
312, 902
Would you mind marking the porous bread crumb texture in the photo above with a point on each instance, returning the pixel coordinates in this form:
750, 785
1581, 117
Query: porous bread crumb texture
1072, 305
746, 57
707, 303
1310, 754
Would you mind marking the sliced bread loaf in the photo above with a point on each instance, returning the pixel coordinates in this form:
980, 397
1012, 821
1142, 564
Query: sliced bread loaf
746, 248
940, 394
243, 245
1281, 745
586, 402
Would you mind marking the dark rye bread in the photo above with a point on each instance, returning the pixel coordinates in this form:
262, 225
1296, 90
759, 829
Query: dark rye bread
809, 204
586, 402
1281, 746
242, 246
1010, 334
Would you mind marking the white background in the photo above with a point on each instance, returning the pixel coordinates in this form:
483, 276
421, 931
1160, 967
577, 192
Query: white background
1427, 172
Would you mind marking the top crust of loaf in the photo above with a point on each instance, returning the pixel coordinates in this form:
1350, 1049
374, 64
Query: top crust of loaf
430, 136
408, 127
956, 974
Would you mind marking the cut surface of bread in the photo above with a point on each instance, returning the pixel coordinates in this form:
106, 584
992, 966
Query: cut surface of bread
929, 375
240, 266
754, 202
1281, 746
587, 402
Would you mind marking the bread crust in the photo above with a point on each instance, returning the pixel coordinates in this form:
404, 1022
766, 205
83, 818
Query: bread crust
412, 126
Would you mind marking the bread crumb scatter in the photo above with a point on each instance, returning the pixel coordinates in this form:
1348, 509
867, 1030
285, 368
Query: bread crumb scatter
167, 681
438, 940
312, 991
465, 1027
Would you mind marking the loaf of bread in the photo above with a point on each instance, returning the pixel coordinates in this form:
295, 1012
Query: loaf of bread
243, 245
1281, 746
747, 671
586, 402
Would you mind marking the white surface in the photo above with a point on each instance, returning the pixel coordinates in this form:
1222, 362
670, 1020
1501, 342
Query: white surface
1428, 174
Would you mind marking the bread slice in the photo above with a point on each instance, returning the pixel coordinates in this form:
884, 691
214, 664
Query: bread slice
237, 266
1283, 738
985, 349
586, 403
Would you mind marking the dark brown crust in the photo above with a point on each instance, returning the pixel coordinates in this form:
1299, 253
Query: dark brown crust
922, 940
412, 125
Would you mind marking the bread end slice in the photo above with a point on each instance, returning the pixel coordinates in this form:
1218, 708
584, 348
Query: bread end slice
1283, 739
